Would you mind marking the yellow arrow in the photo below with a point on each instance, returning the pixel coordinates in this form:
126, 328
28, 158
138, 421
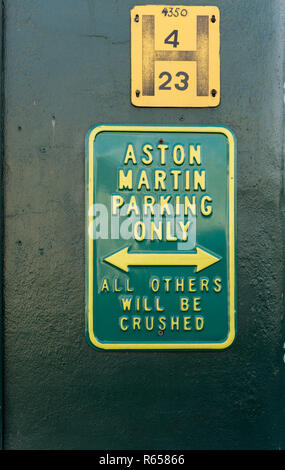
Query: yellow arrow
122, 259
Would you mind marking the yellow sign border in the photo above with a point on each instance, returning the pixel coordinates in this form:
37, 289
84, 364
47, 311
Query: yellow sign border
191, 129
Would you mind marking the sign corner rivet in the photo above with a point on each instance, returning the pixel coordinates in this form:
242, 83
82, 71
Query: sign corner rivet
138, 93
213, 93
213, 19
137, 18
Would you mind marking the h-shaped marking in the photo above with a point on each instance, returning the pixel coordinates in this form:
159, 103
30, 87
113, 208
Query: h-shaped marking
150, 55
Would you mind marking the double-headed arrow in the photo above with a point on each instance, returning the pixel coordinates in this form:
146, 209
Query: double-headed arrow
122, 259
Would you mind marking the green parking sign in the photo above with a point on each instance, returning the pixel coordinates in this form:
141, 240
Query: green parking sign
160, 237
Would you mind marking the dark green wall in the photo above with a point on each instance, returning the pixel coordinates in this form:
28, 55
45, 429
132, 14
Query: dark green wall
1, 220
67, 68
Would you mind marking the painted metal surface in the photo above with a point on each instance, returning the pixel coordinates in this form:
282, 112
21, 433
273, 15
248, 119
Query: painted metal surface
67, 68
1, 220
175, 58
160, 208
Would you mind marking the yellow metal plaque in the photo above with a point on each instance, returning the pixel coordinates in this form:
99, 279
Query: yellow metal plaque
175, 56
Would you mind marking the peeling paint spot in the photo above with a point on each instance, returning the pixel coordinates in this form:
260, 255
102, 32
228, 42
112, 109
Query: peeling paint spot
53, 128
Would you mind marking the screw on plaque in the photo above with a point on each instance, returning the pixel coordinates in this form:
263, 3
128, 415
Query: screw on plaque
213, 93
138, 93
137, 18
160, 333
213, 19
